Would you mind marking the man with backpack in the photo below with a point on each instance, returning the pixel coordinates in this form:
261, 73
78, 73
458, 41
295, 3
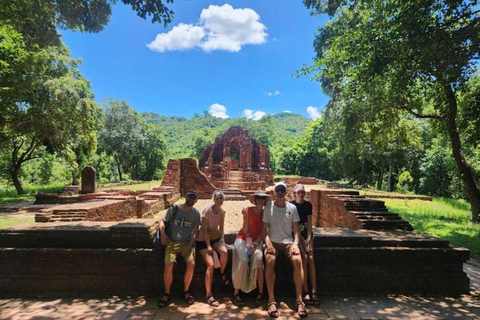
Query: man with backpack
178, 233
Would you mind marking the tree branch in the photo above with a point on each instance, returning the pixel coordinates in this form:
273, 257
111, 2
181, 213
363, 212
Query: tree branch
419, 115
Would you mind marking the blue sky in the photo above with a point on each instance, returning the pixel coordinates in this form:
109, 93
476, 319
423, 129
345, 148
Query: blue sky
213, 56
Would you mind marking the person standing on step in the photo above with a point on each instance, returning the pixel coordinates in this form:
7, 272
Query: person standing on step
178, 233
247, 264
282, 235
211, 242
305, 209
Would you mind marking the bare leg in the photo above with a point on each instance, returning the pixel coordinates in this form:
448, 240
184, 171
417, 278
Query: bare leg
297, 276
222, 251
305, 272
313, 272
189, 269
168, 276
260, 279
209, 272
270, 276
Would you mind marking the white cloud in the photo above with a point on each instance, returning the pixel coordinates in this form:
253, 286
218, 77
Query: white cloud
218, 110
313, 113
181, 37
274, 93
287, 111
255, 115
219, 28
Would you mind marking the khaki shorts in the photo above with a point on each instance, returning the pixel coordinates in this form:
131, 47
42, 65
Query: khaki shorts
174, 248
284, 248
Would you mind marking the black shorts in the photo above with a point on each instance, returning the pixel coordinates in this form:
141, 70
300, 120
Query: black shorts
200, 245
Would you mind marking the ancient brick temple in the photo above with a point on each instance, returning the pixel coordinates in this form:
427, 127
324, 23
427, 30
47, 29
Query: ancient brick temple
237, 161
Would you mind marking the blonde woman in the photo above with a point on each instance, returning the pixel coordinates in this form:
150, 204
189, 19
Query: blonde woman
210, 239
247, 275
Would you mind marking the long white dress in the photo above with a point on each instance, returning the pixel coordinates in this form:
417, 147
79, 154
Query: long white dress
245, 268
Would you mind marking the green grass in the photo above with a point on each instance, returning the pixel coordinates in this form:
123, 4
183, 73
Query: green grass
141, 186
7, 222
445, 218
8, 194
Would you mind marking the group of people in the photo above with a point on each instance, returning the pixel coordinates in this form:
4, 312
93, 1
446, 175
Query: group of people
269, 228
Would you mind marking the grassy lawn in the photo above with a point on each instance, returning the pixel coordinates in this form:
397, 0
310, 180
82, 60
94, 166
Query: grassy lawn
9, 194
445, 218
142, 186
7, 222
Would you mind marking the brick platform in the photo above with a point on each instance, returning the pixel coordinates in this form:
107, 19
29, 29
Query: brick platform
347, 209
93, 258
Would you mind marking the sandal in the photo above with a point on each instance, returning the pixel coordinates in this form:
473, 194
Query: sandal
301, 311
211, 300
315, 301
259, 299
307, 301
272, 310
162, 303
189, 299
238, 301
225, 279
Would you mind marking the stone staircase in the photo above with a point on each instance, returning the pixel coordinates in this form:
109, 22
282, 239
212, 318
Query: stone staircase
373, 214
235, 180
234, 195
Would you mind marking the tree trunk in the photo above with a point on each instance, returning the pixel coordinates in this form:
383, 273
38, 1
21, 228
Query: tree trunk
15, 180
380, 178
389, 186
466, 174
74, 178
119, 171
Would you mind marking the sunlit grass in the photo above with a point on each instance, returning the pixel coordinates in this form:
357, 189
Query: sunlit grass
149, 185
7, 222
8, 194
446, 218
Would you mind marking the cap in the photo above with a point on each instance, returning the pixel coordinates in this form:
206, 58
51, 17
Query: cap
280, 185
192, 192
299, 187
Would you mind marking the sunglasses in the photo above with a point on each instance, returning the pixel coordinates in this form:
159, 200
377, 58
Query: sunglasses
280, 190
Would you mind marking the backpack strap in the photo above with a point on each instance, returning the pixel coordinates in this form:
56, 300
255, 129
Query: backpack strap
174, 213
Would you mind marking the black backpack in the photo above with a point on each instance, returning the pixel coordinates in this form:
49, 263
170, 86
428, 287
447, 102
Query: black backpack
157, 242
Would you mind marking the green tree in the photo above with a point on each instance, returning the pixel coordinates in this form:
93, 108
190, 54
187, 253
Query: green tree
45, 101
121, 135
399, 55
201, 140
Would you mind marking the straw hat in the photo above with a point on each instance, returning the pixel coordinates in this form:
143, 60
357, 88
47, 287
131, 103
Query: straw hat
260, 193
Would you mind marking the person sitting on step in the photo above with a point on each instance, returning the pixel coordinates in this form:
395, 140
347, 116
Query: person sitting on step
247, 257
305, 209
211, 241
280, 221
178, 233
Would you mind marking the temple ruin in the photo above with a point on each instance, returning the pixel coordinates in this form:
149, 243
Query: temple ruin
237, 161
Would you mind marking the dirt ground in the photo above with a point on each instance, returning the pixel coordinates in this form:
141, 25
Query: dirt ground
233, 209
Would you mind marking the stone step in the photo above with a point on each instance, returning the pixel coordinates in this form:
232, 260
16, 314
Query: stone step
361, 208
375, 213
386, 224
235, 198
354, 270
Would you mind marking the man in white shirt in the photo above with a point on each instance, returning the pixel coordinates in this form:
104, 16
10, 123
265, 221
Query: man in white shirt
280, 220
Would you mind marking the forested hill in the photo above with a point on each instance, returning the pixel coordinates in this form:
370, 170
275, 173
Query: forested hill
187, 137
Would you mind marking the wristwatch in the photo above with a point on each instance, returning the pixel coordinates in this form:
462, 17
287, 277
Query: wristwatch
295, 243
